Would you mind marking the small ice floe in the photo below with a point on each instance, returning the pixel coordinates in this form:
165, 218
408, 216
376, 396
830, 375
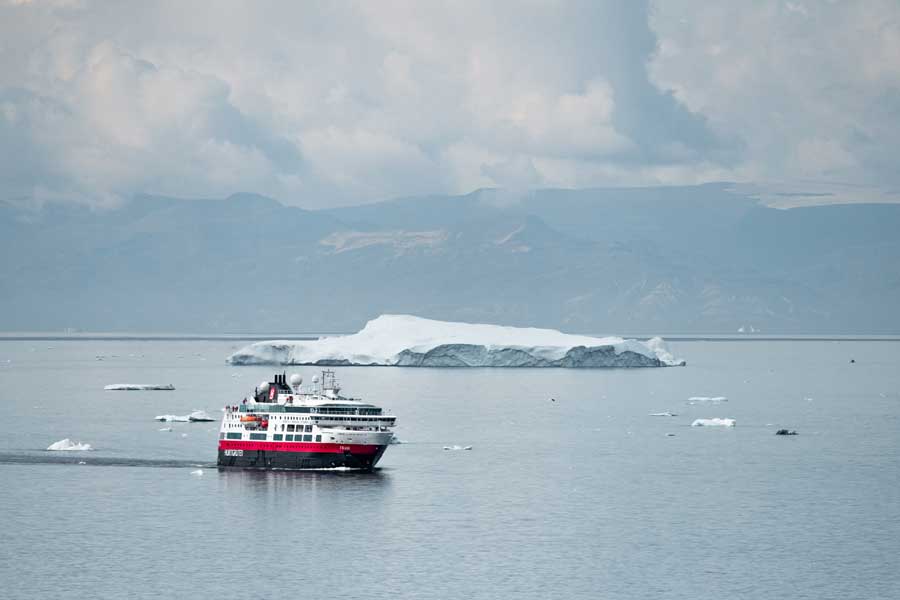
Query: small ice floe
455, 447
663, 414
715, 422
67, 445
184, 435
396, 440
786, 432
166, 429
198, 472
179, 418
138, 387
197, 416
707, 399
81, 462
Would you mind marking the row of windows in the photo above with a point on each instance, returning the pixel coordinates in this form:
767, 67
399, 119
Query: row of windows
299, 428
347, 411
277, 408
276, 437
390, 420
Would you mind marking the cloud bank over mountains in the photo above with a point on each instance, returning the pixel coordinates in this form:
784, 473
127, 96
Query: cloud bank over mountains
340, 103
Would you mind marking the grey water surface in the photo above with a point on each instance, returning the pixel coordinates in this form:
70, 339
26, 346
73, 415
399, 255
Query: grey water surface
586, 496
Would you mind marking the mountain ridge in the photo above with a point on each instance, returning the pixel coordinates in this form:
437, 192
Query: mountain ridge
692, 259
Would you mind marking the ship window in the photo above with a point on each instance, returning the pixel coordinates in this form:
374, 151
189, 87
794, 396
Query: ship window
307, 438
289, 437
318, 438
277, 437
222, 436
291, 427
234, 436
257, 436
309, 428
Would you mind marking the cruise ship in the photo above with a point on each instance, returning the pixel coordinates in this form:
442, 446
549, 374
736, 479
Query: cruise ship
284, 425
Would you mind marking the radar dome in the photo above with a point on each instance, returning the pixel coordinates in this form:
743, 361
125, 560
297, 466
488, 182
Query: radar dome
296, 380
264, 386
315, 379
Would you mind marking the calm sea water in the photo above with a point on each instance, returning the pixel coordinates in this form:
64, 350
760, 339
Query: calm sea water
585, 497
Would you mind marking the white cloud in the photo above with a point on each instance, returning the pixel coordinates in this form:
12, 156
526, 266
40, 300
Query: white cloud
340, 103
812, 89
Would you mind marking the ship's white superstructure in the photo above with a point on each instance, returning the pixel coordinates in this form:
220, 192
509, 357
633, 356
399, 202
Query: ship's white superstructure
286, 425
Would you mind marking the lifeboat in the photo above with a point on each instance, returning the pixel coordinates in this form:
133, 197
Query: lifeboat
248, 418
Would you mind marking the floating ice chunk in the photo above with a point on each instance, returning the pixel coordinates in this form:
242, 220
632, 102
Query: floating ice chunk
196, 416
184, 435
396, 440
663, 414
199, 416
67, 445
198, 472
139, 387
707, 399
403, 340
715, 422
166, 429
455, 447
178, 418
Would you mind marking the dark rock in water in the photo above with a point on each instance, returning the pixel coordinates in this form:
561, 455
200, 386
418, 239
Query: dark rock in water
852, 360
786, 432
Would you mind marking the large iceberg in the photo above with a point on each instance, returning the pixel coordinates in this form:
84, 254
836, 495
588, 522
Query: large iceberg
407, 341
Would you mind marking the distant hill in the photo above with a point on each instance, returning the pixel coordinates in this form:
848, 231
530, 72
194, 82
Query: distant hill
697, 259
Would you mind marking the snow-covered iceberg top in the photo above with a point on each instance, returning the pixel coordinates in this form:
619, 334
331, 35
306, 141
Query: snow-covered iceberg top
403, 340
67, 445
138, 387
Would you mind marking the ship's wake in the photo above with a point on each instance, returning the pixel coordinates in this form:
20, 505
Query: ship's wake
83, 459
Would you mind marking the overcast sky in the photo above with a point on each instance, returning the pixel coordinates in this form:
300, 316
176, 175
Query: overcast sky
326, 103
